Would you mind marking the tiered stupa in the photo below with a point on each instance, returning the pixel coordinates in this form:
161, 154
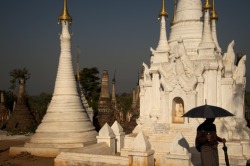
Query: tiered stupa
105, 112
21, 119
184, 71
66, 124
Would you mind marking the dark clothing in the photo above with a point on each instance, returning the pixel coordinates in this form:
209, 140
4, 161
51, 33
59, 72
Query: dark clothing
209, 151
209, 156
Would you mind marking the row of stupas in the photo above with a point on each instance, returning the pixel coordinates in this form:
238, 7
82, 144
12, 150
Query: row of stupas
109, 110
184, 71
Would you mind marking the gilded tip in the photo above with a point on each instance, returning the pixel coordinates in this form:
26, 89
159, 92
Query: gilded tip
207, 5
163, 12
65, 14
214, 15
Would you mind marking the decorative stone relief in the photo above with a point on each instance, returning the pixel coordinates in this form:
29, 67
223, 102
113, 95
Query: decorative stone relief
146, 73
240, 71
228, 60
179, 71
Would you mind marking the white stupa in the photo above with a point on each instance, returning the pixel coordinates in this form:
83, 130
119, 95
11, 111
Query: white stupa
184, 72
66, 124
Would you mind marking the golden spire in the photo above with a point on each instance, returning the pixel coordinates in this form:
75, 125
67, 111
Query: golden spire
207, 5
214, 15
65, 15
175, 8
163, 12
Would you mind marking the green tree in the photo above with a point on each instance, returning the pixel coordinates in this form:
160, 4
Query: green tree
90, 83
125, 101
39, 104
10, 97
18, 75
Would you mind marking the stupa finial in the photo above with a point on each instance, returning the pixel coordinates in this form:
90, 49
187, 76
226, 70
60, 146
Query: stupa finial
214, 15
65, 15
207, 5
175, 8
113, 80
163, 11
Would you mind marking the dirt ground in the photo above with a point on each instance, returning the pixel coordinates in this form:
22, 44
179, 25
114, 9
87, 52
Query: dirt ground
24, 159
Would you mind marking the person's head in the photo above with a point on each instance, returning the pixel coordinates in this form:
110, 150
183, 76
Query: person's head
210, 120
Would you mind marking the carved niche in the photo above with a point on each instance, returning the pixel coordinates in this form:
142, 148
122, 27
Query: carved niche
178, 110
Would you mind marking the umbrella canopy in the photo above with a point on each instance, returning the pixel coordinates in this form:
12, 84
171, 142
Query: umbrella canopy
207, 111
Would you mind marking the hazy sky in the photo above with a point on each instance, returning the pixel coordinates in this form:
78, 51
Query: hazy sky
111, 34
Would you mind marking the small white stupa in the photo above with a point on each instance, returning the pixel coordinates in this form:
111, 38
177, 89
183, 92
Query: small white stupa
66, 124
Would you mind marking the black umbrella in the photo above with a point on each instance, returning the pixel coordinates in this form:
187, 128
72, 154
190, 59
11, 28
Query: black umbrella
210, 111
207, 111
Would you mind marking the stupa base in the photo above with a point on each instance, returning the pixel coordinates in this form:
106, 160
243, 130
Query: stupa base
46, 150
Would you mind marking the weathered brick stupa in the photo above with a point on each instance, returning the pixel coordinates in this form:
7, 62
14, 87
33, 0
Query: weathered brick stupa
66, 124
21, 119
105, 112
4, 111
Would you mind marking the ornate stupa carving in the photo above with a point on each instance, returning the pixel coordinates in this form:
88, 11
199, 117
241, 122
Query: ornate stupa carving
66, 124
192, 70
21, 119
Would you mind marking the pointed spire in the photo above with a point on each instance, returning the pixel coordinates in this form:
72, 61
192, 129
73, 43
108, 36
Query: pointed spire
174, 17
214, 18
65, 15
78, 64
207, 5
113, 97
163, 43
207, 40
214, 15
113, 80
163, 11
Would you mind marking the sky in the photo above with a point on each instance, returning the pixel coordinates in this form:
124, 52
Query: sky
112, 35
